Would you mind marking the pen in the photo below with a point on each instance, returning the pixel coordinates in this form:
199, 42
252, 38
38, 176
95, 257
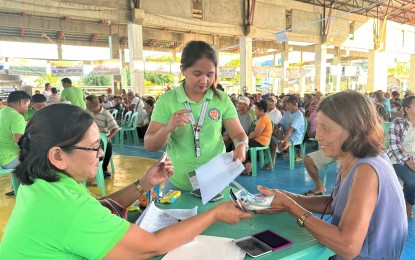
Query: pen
239, 205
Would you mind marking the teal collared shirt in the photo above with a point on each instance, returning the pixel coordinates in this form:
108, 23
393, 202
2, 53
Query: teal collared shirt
181, 146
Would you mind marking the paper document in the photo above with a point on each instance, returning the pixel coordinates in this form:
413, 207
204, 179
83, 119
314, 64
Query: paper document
154, 219
214, 176
207, 248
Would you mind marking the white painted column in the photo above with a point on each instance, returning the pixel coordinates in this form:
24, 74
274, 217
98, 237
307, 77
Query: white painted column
412, 73
377, 77
114, 44
246, 69
135, 45
320, 63
284, 65
337, 75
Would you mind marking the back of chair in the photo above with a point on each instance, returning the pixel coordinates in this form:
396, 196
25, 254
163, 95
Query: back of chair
115, 114
126, 118
104, 142
386, 126
134, 120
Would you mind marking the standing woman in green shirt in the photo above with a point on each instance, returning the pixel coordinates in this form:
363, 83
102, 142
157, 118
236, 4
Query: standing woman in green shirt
189, 118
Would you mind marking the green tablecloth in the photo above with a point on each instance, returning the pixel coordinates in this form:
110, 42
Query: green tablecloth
304, 245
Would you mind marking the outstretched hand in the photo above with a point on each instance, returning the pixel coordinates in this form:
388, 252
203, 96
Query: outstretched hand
179, 118
229, 212
277, 204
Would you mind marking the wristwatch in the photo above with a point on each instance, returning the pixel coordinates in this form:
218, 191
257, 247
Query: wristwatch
138, 186
301, 220
243, 142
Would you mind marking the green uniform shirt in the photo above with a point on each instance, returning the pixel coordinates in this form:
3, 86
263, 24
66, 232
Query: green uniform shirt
74, 95
11, 122
181, 146
60, 220
29, 114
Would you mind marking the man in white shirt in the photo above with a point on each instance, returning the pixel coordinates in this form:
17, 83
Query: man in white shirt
136, 105
107, 104
273, 112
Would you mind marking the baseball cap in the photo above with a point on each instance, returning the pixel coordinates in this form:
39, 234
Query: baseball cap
293, 99
273, 98
244, 100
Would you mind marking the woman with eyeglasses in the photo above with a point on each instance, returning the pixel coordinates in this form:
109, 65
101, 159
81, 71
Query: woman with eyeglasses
402, 150
56, 217
367, 205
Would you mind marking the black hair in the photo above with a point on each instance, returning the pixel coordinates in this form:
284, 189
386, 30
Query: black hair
262, 105
66, 80
61, 125
54, 90
16, 96
38, 98
194, 51
150, 102
406, 102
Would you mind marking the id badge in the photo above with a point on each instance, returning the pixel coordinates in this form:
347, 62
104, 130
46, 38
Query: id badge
193, 180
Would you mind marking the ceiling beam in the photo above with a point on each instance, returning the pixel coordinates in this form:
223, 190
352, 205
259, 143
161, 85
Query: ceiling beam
53, 24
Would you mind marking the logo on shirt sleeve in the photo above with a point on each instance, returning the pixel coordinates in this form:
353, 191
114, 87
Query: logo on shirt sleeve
214, 114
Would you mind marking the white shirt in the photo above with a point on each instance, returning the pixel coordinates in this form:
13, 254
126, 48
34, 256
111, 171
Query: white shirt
47, 94
107, 105
275, 116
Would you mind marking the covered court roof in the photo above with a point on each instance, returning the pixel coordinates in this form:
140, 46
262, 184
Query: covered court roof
401, 11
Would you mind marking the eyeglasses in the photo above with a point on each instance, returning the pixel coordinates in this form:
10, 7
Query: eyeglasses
97, 149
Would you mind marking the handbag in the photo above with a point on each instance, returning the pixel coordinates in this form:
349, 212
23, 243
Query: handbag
114, 207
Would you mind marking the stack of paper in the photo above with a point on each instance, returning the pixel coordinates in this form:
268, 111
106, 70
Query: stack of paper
207, 248
154, 219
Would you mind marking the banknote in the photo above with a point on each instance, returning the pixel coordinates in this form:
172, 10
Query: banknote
254, 201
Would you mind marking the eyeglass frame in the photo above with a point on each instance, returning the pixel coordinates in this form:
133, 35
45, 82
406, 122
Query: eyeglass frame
96, 149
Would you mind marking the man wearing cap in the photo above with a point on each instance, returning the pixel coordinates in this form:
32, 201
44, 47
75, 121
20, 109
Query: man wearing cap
273, 112
242, 107
292, 127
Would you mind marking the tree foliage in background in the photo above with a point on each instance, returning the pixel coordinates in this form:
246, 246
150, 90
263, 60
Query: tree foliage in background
401, 69
93, 80
157, 79
48, 78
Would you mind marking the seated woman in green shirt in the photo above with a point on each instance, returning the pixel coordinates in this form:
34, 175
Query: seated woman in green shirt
56, 217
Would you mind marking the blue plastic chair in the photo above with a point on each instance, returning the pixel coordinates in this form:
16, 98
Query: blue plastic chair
262, 160
15, 182
291, 150
130, 130
100, 173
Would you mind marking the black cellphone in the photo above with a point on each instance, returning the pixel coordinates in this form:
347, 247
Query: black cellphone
275, 241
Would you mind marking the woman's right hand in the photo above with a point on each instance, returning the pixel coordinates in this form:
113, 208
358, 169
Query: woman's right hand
179, 118
277, 204
229, 212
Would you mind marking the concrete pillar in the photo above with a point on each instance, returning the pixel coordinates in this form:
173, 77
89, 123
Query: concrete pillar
284, 65
412, 73
114, 44
246, 68
337, 75
59, 46
135, 45
175, 75
301, 79
377, 77
320, 63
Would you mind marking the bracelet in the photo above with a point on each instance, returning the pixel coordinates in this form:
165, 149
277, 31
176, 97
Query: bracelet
301, 220
139, 187
242, 142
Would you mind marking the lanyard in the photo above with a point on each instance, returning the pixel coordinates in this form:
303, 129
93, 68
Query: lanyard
197, 128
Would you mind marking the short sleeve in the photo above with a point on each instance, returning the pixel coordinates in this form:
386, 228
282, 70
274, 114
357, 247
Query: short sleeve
297, 121
230, 110
262, 122
112, 124
160, 113
63, 94
94, 230
19, 125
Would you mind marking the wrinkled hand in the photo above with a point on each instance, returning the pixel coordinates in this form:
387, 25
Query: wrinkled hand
157, 174
239, 153
277, 204
179, 118
229, 212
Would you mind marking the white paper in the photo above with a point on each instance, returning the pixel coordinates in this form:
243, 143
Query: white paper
207, 248
154, 219
217, 174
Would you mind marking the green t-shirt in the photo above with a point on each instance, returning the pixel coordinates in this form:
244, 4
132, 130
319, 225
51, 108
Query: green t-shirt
11, 122
60, 220
29, 114
181, 147
74, 95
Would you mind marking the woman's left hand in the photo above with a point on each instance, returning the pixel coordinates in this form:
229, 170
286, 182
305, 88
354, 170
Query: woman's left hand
239, 153
157, 174
277, 204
